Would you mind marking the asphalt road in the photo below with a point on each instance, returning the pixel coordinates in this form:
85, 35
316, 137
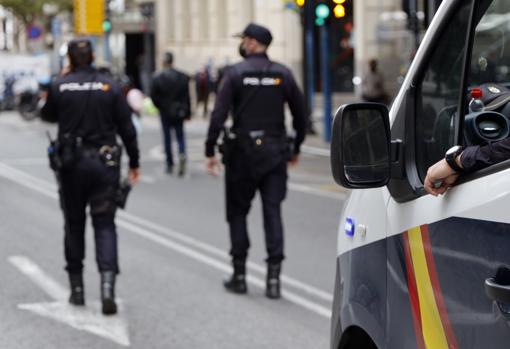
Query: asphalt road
173, 245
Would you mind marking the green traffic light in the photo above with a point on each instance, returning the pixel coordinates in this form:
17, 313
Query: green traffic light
107, 26
322, 11
319, 21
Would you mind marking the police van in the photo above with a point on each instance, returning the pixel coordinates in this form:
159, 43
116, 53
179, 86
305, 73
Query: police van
414, 270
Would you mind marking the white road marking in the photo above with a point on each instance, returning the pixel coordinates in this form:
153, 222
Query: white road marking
147, 179
49, 189
310, 190
26, 161
222, 254
222, 266
128, 221
315, 151
87, 318
39, 277
156, 153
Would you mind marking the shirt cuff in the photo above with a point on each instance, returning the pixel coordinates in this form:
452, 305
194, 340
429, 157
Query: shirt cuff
468, 158
134, 163
209, 150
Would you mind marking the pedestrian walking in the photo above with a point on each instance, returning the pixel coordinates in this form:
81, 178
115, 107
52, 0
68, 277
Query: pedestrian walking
373, 85
90, 110
203, 85
170, 94
256, 150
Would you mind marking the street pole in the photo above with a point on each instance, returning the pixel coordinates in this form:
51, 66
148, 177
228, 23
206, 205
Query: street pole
326, 86
106, 39
107, 50
309, 60
4, 29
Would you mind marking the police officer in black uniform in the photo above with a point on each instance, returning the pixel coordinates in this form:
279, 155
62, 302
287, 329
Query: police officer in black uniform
90, 110
256, 150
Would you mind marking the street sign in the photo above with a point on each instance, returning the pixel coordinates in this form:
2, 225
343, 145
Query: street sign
34, 32
89, 17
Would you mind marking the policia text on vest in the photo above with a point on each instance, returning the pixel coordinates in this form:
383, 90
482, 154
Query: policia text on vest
256, 150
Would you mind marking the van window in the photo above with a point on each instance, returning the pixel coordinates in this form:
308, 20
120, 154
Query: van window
490, 60
439, 91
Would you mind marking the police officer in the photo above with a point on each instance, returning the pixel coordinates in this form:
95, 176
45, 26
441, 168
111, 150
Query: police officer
90, 110
459, 160
256, 150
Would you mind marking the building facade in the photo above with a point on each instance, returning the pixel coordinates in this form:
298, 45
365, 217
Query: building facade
200, 32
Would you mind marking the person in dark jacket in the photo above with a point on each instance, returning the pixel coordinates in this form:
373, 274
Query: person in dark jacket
256, 151
170, 94
458, 160
91, 111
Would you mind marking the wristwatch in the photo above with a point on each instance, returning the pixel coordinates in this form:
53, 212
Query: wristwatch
451, 156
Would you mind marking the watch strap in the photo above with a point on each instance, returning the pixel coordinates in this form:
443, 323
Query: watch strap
451, 160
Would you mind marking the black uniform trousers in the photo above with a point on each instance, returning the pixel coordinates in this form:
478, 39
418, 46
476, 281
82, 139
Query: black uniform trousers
90, 182
243, 179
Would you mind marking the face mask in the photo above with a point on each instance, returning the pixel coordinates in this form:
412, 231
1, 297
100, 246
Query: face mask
242, 50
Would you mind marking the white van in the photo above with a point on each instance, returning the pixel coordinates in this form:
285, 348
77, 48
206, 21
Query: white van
414, 270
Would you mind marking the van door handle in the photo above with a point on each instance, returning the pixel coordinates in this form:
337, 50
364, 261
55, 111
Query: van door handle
497, 292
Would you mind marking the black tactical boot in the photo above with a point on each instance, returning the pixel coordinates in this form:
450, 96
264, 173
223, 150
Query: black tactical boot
237, 282
108, 292
182, 165
273, 281
77, 296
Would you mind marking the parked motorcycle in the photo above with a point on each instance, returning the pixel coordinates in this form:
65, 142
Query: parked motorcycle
30, 101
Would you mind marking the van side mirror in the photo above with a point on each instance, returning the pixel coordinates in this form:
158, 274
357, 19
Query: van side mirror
360, 146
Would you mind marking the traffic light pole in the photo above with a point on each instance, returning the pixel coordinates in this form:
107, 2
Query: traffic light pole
107, 50
309, 60
326, 85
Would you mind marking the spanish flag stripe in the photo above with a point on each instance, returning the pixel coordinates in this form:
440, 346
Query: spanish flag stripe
413, 294
433, 332
437, 288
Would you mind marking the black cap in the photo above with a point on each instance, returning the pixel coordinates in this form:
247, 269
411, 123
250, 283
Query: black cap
257, 32
79, 46
80, 52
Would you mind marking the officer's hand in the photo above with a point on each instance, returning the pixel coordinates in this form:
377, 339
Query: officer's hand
213, 166
134, 175
440, 177
294, 160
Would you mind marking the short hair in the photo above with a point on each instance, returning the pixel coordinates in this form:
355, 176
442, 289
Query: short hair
80, 52
169, 58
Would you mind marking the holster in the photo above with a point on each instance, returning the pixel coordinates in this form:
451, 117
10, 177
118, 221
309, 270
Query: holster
227, 145
110, 155
64, 152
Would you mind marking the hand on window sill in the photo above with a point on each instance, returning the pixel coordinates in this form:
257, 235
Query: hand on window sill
440, 177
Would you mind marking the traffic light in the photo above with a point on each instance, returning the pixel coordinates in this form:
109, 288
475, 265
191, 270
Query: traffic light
339, 9
300, 3
321, 13
107, 25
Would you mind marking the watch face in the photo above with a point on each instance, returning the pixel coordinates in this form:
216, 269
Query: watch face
453, 149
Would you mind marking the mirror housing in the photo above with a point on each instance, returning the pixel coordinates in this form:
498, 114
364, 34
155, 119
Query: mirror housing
360, 146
